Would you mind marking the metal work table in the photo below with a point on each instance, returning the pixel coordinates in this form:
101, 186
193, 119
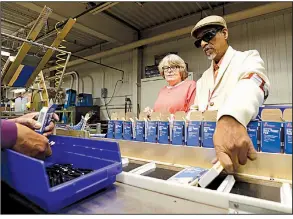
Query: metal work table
124, 199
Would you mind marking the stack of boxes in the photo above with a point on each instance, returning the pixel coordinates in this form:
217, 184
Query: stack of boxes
272, 133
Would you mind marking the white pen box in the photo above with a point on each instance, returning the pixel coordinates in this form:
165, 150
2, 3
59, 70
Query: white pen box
190, 175
45, 117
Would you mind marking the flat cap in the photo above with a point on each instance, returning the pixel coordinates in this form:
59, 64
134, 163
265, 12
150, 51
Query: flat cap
207, 21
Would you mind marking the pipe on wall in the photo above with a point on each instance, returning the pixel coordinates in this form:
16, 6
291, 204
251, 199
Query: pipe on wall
237, 16
68, 74
71, 81
92, 80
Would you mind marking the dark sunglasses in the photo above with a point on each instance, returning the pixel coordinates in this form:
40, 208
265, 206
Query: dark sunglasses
207, 37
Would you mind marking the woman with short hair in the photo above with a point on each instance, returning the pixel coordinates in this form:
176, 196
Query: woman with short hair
179, 94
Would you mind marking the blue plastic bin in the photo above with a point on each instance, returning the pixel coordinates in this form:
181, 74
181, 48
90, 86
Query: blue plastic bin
28, 175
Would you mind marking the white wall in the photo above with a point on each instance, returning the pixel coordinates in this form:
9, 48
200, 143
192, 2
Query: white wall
271, 35
123, 62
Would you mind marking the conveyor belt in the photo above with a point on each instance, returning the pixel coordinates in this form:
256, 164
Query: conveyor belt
151, 193
117, 199
270, 193
131, 166
217, 182
162, 173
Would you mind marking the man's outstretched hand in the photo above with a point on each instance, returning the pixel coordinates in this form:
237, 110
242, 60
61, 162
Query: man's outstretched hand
232, 144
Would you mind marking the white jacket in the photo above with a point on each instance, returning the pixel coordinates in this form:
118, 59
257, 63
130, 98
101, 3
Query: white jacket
232, 94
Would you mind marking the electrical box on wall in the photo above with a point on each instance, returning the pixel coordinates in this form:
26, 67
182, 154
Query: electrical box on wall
104, 92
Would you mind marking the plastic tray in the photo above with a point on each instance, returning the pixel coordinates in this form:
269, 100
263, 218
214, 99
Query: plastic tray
28, 175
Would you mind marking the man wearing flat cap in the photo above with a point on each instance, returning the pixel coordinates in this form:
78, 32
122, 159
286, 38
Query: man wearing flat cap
235, 85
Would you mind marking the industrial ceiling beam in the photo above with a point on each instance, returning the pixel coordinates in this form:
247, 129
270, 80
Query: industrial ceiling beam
234, 17
104, 7
28, 26
210, 6
78, 26
199, 6
12, 22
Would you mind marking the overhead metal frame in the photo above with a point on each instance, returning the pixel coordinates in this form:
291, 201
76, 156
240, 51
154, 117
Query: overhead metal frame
211, 7
201, 9
44, 15
78, 26
69, 24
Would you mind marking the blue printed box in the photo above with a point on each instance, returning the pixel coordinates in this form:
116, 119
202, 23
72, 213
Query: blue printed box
271, 136
193, 133
253, 132
208, 129
152, 130
111, 128
118, 129
287, 117
288, 137
127, 130
140, 131
163, 132
178, 133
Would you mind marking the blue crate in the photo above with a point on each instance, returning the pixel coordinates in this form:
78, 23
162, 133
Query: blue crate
28, 175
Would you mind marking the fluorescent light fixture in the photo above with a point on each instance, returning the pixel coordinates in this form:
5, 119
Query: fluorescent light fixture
3, 53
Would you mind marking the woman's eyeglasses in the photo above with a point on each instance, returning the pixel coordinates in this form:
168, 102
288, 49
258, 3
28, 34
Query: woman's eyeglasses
207, 37
173, 68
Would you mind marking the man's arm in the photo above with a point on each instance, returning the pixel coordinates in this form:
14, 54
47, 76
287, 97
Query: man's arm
232, 143
8, 134
249, 93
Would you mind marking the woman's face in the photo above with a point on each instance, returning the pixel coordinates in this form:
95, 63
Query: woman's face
172, 74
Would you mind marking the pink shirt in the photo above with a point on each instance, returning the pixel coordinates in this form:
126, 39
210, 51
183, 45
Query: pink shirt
177, 98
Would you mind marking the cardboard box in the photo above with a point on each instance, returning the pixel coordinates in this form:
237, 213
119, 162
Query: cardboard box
179, 129
111, 125
188, 176
119, 125
164, 129
287, 117
152, 128
208, 128
194, 129
271, 129
128, 126
140, 130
